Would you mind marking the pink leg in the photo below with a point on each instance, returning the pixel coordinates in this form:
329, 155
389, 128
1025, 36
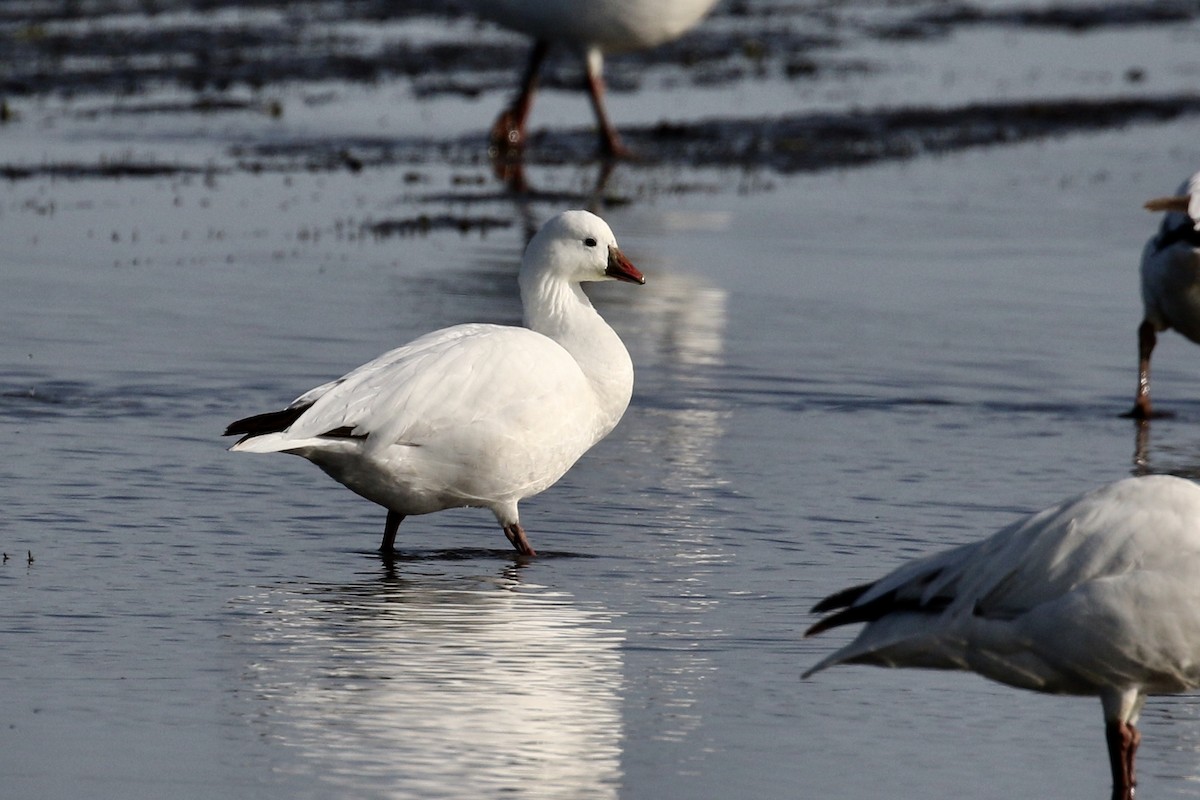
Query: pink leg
516, 536
389, 531
1147, 338
1123, 740
508, 132
610, 141
1132, 751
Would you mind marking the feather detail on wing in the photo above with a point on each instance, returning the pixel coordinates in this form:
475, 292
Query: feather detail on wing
403, 395
931, 604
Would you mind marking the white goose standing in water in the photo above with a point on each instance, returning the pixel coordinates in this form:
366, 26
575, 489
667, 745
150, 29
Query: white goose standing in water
1170, 282
475, 415
591, 28
1098, 595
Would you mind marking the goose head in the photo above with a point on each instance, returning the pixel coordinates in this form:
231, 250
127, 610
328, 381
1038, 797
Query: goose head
576, 246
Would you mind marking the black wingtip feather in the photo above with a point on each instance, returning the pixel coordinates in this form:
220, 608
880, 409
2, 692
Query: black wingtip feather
877, 608
842, 599
279, 421
849, 616
270, 422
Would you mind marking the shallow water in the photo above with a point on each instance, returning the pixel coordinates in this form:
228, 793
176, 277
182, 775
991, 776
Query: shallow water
835, 371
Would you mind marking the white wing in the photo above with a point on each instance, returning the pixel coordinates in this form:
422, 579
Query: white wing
448, 379
1029, 604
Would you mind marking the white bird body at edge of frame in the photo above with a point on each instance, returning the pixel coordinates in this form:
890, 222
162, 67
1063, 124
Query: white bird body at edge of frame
1170, 279
476, 414
1098, 595
611, 25
591, 28
1170, 269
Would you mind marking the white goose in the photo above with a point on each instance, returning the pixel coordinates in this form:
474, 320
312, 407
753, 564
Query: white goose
475, 415
1099, 595
591, 28
1170, 282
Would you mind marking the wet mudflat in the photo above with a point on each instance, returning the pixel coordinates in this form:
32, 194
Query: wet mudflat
891, 258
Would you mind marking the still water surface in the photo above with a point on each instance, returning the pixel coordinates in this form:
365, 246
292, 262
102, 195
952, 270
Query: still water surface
834, 372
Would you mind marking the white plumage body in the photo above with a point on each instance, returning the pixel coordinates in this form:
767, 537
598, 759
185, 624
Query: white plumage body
475, 415
591, 28
610, 25
1170, 273
421, 452
1098, 595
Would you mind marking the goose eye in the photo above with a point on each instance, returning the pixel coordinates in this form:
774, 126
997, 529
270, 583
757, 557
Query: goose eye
590, 242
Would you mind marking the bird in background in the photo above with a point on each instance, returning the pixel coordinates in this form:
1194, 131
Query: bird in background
1098, 595
474, 415
590, 28
1170, 282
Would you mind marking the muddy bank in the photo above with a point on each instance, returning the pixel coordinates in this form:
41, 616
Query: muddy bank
128, 49
177, 65
1083, 17
125, 48
814, 142
791, 143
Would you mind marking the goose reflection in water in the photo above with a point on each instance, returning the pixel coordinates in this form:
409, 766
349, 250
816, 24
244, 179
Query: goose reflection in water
437, 686
678, 331
1173, 454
